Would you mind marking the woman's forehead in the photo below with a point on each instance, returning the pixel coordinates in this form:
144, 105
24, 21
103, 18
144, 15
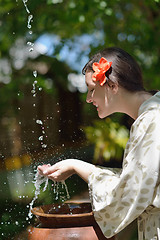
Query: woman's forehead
88, 79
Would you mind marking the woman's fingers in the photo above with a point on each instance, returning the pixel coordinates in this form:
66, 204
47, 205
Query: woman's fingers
50, 170
55, 176
59, 171
43, 168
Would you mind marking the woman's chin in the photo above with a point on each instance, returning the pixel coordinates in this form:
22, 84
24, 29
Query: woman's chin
101, 115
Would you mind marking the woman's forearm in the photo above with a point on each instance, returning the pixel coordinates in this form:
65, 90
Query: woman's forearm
66, 168
83, 169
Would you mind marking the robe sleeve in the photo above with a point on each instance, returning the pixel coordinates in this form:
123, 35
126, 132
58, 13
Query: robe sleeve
118, 199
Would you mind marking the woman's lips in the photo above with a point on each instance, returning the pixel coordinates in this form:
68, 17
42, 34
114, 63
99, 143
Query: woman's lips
96, 106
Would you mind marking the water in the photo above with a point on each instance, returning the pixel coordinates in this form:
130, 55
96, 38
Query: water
38, 121
30, 19
38, 181
35, 74
26, 7
41, 138
66, 189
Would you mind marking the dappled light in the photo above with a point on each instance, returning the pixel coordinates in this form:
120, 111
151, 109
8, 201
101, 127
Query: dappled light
44, 117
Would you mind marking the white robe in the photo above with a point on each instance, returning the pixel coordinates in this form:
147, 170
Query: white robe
119, 198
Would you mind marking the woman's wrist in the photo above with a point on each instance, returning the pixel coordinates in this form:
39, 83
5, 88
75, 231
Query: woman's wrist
83, 169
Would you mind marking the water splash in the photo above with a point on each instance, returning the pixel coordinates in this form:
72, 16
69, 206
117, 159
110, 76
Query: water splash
26, 7
41, 138
38, 180
35, 74
30, 44
34, 85
44, 145
30, 19
66, 189
39, 121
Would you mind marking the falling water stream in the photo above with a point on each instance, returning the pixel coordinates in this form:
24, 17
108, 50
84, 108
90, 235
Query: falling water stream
39, 179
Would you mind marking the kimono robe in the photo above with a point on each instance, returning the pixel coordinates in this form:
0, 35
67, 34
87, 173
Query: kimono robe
119, 198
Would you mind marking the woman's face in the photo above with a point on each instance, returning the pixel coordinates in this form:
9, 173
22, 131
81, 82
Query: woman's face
102, 97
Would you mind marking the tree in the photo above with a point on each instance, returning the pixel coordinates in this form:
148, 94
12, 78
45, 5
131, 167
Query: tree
133, 25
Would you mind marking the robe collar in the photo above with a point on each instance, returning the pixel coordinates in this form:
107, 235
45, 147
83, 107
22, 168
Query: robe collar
151, 103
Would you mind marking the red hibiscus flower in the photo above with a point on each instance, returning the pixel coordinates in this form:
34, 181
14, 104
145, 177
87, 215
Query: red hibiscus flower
100, 69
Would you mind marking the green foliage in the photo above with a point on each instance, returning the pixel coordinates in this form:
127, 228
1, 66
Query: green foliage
133, 25
109, 138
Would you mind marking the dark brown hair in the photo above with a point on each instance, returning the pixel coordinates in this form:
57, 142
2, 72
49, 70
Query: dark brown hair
124, 70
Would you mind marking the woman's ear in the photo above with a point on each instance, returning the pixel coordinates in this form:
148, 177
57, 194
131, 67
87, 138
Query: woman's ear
114, 87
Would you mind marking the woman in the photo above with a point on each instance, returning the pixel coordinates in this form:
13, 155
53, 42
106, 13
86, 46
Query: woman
115, 84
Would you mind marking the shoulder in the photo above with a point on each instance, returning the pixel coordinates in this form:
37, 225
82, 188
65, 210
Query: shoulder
150, 119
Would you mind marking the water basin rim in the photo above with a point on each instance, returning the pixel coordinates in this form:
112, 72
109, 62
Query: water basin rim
45, 215
57, 215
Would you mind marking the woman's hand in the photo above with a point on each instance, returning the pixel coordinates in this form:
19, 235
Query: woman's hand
66, 168
59, 171
43, 168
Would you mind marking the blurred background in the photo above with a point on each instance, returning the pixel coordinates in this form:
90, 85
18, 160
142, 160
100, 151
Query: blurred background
44, 118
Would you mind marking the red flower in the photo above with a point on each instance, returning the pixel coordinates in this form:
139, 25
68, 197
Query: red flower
100, 69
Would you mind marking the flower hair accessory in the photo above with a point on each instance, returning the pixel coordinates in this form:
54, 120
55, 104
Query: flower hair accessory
100, 69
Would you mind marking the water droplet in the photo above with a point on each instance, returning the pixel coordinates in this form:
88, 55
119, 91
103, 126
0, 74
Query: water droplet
30, 44
35, 73
44, 145
30, 19
39, 121
40, 138
25, 4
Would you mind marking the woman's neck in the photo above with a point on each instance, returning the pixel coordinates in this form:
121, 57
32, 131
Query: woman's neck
132, 102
